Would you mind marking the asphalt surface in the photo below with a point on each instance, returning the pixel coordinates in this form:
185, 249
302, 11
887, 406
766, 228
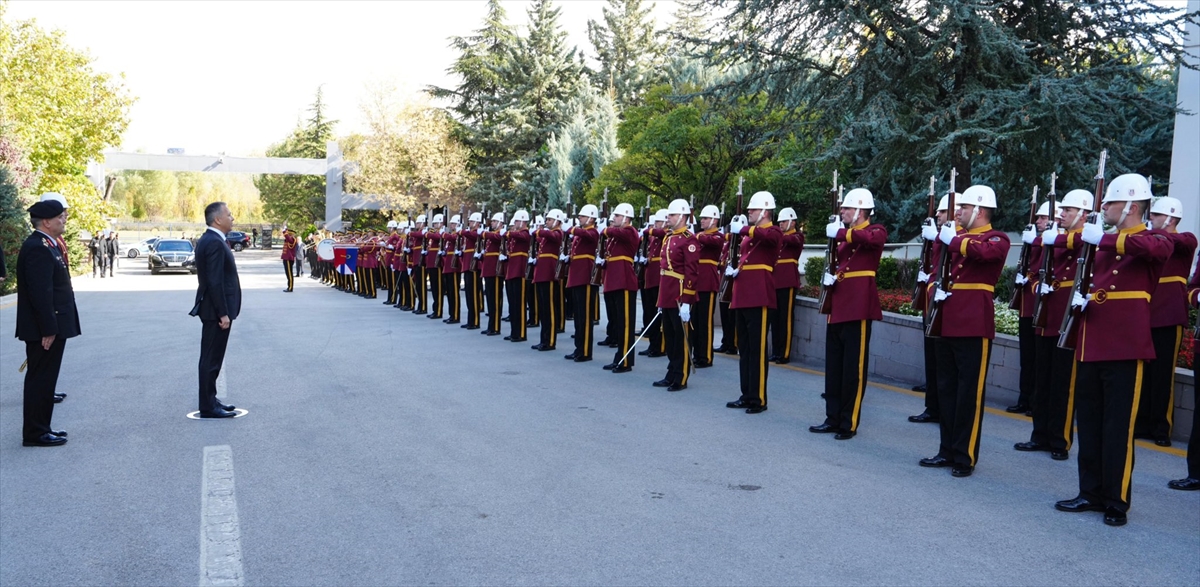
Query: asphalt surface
385, 448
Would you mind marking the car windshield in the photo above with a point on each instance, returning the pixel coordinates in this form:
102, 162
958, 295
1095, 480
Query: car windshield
174, 246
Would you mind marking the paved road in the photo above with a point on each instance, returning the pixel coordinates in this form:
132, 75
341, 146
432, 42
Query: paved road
385, 448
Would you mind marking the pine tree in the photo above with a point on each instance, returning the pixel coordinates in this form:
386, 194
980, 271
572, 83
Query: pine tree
298, 198
585, 144
628, 49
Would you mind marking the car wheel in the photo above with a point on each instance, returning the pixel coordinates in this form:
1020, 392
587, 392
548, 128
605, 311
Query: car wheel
154, 271
238, 247
132, 254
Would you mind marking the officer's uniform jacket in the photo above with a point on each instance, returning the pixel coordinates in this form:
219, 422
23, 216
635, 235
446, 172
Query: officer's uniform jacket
549, 246
45, 298
1116, 321
289, 248
491, 253
433, 246
787, 266
518, 253
754, 285
1027, 300
584, 242
678, 268
449, 246
470, 243
854, 295
415, 243
622, 246
654, 258
976, 259
1168, 303
1062, 279
708, 276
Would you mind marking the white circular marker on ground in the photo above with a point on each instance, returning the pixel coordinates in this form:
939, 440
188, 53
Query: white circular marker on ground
238, 414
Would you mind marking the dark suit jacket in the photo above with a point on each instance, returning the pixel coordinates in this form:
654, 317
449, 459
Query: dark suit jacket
220, 292
45, 299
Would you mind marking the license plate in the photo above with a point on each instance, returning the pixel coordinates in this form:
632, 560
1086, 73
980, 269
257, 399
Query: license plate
174, 264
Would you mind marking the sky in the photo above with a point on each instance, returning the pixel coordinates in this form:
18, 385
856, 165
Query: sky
234, 77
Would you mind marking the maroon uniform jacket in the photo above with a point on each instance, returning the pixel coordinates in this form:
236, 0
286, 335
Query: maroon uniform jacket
518, 253
491, 253
583, 255
433, 245
470, 238
1168, 305
855, 296
680, 259
1116, 321
289, 248
1027, 300
654, 257
787, 266
622, 246
367, 254
389, 255
449, 246
1062, 275
549, 245
415, 243
976, 260
754, 286
712, 243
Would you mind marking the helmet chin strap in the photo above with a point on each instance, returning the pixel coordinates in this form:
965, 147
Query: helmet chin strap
854, 221
974, 215
1124, 213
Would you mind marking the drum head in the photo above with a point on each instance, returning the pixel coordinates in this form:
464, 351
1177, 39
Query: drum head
325, 249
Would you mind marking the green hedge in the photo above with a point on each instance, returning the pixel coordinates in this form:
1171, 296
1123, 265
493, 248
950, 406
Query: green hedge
814, 268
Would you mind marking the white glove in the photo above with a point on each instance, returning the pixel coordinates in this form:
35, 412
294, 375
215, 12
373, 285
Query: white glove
736, 226
410, 270
564, 258
1028, 236
940, 295
503, 231
730, 271
423, 253
923, 277
1045, 289
532, 260
441, 253
603, 224
601, 262
503, 257
1092, 233
1049, 237
1021, 279
947, 234
407, 250
1078, 301
457, 253
929, 233
391, 248
478, 255
828, 279
685, 312
831, 229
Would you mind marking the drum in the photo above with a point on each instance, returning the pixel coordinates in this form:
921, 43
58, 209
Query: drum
325, 249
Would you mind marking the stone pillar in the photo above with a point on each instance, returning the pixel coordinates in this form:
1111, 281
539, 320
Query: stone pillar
333, 186
1185, 152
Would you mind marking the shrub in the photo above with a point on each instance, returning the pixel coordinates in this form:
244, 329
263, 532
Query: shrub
1007, 320
814, 268
888, 274
1005, 285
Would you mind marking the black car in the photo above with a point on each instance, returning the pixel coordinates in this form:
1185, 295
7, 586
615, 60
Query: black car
237, 240
172, 254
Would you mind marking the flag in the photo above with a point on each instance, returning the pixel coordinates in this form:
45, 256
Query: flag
346, 260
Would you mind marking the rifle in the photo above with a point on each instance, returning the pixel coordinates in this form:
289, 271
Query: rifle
602, 248
723, 260
691, 221
533, 243
919, 296
725, 290
1069, 333
455, 264
440, 259
560, 270
502, 264
933, 318
1023, 264
639, 265
1046, 272
825, 301
473, 263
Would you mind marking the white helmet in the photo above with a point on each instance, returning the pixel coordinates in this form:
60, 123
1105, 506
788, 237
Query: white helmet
57, 197
761, 201
1130, 187
944, 203
660, 216
624, 209
1169, 206
679, 206
556, 214
539, 219
978, 195
391, 224
421, 218
858, 198
589, 210
475, 217
498, 217
521, 216
711, 211
787, 214
1081, 199
456, 219
1044, 210
438, 218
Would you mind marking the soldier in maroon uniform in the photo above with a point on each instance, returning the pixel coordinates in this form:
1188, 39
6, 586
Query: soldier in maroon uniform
1110, 368
1192, 481
932, 413
450, 269
471, 285
549, 238
729, 340
968, 326
708, 281
1054, 368
652, 264
620, 286
387, 266
677, 293
415, 248
288, 256
517, 243
787, 279
493, 280
584, 241
1025, 303
369, 262
1168, 318
433, 262
754, 297
854, 304
403, 299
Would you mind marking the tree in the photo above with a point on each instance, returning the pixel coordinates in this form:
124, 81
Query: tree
628, 48
298, 199
584, 145
15, 176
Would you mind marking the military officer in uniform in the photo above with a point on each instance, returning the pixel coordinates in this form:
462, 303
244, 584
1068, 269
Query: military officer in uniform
754, 297
680, 258
585, 239
1025, 303
433, 264
517, 242
708, 280
415, 248
729, 340
620, 286
977, 257
391, 248
1192, 481
450, 270
854, 305
787, 279
493, 280
932, 413
549, 242
1108, 376
289, 256
471, 285
650, 267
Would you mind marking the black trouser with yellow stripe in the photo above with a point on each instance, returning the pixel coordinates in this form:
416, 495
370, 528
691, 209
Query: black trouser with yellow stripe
435, 290
1054, 396
493, 292
679, 347
729, 333
453, 301
1026, 337
962, 366
417, 277
1106, 407
622, 307
516, 305
287, 269
548, 311
474, 297
702, 327
847, 354
1156, 412
781, 329
654, 333
751, 326
931, 387
533, 318
558, 294
583, 300
1193, 454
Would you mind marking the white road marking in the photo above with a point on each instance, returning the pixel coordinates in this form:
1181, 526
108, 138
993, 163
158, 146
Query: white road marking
220, 537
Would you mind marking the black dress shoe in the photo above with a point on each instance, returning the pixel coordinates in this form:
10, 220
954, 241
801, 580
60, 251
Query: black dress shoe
1185, 484
935, 462
61, 433
653, 354
622, 369
1059, 455
701, 364
492, 332
823, 429
782, 361
509, 337
1114, 517
844, 435
469, 327
226, 407
1076, 505
1017, 409
217, 413
46, 439
772, 358
543, 347
582, 359
1162, 441
737, 405
58, 398
756, 409
287, 291
662, 383
610, 366
924, 418
571, 357
452, 321
962, 470
677, 387
644, 353
920, 387
519, 339
605, 342
1030, 446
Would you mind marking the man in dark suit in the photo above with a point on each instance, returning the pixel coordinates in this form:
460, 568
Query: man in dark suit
46, 318
218, 302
